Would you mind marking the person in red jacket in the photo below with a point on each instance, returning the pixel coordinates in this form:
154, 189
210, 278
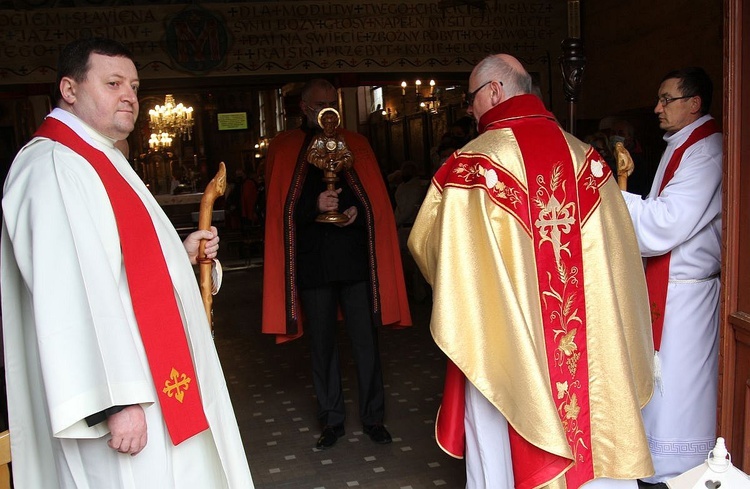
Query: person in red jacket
312, 270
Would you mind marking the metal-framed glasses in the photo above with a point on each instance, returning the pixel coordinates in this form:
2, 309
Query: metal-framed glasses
469, 97
666, 100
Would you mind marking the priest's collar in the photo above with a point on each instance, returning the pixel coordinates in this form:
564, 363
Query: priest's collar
87, 132
520, 106
676, 135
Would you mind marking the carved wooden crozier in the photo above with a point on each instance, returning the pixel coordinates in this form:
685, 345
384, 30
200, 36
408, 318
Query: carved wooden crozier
625, 165
215, 189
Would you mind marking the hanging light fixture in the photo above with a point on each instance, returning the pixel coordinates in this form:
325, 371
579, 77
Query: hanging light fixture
169, 121
160, 141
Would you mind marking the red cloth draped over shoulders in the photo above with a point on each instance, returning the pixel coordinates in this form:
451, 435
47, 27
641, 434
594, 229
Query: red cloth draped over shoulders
281, 161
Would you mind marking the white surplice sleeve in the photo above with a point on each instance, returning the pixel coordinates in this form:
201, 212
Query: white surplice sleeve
63, 237
689, 202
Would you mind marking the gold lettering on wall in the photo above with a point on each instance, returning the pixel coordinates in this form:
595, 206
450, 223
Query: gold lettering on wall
295, 37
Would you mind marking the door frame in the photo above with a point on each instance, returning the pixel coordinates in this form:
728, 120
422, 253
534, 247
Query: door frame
734, 366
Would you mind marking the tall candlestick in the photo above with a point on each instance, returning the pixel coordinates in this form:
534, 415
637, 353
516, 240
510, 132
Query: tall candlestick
574, 19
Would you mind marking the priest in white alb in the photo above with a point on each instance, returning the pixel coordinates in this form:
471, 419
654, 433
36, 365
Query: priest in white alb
113, 379
679, 233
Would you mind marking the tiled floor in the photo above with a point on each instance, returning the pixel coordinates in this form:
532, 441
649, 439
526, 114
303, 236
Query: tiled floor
272, 392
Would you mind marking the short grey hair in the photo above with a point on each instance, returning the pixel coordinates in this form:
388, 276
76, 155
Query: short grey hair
315, 83
494, 67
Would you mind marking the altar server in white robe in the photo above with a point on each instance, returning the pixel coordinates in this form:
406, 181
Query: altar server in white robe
679, 233
90, 405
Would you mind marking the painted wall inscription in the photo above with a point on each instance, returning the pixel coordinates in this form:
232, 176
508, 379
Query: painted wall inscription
287, 37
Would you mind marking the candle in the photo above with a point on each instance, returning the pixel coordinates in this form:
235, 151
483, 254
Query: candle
403, 88
432, 87
417, 86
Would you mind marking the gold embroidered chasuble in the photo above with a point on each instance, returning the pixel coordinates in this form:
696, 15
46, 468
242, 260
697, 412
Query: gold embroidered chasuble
539, 292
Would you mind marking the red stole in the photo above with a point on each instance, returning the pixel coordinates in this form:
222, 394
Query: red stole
657, 267
556, 218
151, 291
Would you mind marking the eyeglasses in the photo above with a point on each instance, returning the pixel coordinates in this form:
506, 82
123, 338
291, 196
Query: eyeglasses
666, 100
469, 97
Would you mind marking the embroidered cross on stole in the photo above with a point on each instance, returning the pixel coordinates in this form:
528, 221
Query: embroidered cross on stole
559, 203
552, 210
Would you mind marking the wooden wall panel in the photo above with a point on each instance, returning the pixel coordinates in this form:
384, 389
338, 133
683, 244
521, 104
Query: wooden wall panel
740, 407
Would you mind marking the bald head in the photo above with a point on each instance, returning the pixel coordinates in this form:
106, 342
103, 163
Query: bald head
504, 67
313, 87
511, 61
494, 80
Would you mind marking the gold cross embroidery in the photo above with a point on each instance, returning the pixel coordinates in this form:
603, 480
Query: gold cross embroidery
180, 383
554, 220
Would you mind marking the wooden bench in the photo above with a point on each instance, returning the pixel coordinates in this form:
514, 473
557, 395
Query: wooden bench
4, 460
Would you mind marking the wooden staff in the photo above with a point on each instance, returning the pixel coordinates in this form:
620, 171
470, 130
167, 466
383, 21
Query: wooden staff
625, 165
214, 190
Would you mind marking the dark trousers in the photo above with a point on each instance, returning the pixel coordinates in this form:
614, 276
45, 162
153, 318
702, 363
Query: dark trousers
320, 309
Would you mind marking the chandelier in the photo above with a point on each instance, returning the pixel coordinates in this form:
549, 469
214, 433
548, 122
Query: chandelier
426, 102
169, 121
160, 141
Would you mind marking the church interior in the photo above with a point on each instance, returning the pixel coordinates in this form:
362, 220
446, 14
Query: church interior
219, 80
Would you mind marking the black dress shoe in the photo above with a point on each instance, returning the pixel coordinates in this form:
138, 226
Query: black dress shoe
648, 485
329, 436
378, 433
